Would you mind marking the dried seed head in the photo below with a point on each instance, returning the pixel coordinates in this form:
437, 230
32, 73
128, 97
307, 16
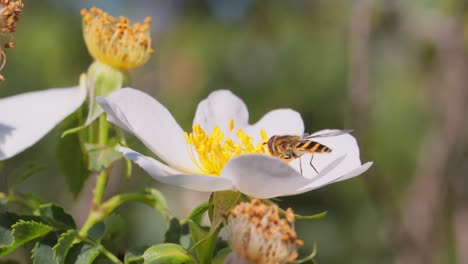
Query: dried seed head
115, 41
259, 235
10, 12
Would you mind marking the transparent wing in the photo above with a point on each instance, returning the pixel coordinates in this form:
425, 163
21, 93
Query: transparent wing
329, 134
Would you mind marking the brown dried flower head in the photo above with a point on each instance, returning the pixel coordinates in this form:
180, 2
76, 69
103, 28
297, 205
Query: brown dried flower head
115, 41
10, 12
259, 235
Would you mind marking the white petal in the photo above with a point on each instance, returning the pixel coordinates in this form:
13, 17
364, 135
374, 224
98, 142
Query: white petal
26, 118
340, 145
218, 109
151, 122
356, 172
164, 174
277, 122
263, 176
317, 184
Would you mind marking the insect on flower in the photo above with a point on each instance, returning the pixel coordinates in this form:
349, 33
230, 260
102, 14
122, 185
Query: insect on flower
288, 147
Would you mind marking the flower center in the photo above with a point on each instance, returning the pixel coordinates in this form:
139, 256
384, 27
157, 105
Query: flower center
259, 235
115, 41
215, 150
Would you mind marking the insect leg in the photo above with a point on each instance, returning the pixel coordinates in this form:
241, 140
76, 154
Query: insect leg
312, 165
300, 164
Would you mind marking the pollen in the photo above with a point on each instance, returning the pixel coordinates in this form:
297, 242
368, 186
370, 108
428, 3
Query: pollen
115, 41
10, 12
210, 152
258, 234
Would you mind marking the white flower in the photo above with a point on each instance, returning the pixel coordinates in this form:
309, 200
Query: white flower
26, 118
220, 160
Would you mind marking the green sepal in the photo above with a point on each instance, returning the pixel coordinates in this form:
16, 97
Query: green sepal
311, 217
173, 234
223, 202
197, 214
101, 81
101, 157
168, 253
204, 241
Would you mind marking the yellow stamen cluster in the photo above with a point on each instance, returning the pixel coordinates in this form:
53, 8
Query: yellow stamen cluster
215, 150
259, 235
115, 41
10, 12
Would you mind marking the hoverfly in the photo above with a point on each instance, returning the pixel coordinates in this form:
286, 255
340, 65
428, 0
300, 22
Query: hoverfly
289, 147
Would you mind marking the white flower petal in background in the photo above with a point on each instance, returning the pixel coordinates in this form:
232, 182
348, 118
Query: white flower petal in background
259, 175
27, 117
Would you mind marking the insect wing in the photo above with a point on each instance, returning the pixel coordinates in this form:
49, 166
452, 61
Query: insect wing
329, 134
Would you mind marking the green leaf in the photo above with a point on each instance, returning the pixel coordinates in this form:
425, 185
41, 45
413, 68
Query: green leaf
158, 202
23, 173
101, 157
42, 251
168, 253
223, 202
311, 217
204, 241
173, 233
82, 253
115, 227
97, 231
197, 214
56, 216
22, 232
135, 255
65, 242
32, 200
6, 221
72, 158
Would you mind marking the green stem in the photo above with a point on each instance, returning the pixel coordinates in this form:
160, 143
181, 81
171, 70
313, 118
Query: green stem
103, 176
101, 183
94, 217
103, 129
95, 214
103, 250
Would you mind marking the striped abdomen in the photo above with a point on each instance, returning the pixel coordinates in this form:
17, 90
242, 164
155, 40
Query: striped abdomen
309, 146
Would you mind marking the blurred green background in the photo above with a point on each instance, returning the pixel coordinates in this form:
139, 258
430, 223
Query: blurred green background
394, 71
